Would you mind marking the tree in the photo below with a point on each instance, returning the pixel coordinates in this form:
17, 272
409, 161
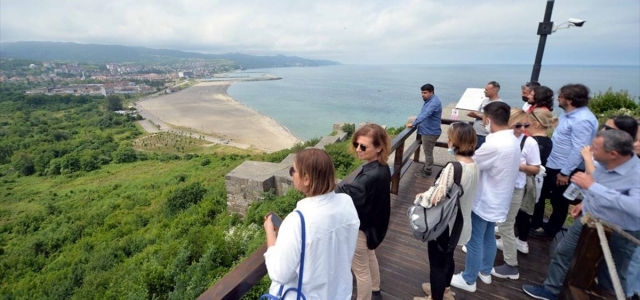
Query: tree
113, 103
23, 163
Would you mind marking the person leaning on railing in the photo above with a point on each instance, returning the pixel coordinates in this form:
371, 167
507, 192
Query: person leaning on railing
370, 192
331, 232
611, 195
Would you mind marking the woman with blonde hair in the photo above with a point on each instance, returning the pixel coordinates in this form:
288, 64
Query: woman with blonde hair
329, 223
542, 122
529, 166
371, 196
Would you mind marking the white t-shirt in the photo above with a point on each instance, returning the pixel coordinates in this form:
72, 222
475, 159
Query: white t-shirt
477, 124
332, 223
530, 155
526, 106
498, 160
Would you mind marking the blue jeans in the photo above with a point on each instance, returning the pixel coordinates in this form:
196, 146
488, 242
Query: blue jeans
621, 250
633, 275
481, 249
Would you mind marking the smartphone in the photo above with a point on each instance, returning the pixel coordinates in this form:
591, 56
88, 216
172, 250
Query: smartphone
275, 219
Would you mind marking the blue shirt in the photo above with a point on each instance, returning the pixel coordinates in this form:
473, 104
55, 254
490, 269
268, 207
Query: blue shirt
428, 121
575, 130
615, 195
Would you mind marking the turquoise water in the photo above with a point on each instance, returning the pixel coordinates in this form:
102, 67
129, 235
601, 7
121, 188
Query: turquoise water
309, 100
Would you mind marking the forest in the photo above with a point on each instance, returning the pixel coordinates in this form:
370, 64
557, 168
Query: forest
87, 212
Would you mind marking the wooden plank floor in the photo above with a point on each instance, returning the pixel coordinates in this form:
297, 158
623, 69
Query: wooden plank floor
404, 263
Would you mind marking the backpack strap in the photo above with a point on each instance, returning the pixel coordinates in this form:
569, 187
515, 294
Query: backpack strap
456, 230
522, 143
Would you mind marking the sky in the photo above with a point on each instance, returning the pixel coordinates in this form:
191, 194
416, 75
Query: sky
348, 31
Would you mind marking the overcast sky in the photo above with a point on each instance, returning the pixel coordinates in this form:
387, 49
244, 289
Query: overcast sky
349, 31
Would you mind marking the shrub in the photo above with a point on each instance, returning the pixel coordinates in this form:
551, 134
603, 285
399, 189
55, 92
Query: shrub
183, 197
610, 100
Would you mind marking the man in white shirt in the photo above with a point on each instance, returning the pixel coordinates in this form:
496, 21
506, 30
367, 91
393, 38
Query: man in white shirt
491, 92
526, 90
498, 160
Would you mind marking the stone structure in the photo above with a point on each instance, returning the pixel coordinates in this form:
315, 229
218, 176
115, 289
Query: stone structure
249, 181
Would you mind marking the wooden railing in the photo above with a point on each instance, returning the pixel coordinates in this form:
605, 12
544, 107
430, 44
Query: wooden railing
241, 279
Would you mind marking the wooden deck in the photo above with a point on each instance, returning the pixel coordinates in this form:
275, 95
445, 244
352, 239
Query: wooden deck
404, 263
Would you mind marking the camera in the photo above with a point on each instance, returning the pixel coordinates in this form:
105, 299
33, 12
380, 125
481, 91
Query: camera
576, 22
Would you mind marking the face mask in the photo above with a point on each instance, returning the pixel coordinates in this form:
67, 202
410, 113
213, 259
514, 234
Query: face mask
525, 98
487, 127
453, 153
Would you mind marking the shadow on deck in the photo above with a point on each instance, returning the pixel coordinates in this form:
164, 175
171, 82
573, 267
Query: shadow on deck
404, 263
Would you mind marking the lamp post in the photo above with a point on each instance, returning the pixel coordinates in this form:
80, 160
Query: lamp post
545, 28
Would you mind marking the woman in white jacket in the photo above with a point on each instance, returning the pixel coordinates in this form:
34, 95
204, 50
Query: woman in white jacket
331, 223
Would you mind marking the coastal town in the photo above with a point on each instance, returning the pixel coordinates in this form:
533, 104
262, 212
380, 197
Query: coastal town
57, 77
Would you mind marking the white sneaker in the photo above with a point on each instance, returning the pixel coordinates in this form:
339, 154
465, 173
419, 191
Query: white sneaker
458, 281
523, 247
464, 248
485, 278
499, 244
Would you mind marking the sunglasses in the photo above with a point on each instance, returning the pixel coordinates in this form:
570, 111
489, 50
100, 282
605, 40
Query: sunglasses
518, 126
361, 146
291, 171
607, 127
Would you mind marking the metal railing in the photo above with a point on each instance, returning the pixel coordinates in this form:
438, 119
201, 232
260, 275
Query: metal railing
249, 272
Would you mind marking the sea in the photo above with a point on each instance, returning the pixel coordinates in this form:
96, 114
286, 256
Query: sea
309, 100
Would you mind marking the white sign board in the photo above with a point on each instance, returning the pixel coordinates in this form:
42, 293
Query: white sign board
471, 99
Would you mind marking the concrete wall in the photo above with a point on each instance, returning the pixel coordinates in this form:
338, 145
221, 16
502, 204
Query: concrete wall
249, 181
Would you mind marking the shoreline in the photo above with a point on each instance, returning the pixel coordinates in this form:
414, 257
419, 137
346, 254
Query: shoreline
207, 108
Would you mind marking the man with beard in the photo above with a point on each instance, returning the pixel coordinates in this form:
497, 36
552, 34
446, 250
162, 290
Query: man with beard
576, 128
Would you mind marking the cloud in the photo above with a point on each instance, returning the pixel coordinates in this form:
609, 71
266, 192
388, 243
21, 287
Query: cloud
351, 31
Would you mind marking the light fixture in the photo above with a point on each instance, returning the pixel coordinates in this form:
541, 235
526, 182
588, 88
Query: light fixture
568, 23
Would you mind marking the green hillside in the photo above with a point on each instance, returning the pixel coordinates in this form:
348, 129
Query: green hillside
95, 53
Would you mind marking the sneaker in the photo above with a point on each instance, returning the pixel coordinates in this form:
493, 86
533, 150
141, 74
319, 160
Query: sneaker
376, 295
464, 248
538, 292
499, 244
506, 271
485, 278
523, 247
422, 174
426, 287
540, 233
458, 281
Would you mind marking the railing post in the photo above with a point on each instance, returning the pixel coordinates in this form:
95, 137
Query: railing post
416, 155
397, 169
584, 265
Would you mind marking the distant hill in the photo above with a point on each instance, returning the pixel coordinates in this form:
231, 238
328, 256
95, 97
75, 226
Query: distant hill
45, 51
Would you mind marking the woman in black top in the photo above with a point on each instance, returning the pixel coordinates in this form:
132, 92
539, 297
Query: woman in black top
542, 121
371, 196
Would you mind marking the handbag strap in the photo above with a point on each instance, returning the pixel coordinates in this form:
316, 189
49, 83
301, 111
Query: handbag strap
298, 290
304, 242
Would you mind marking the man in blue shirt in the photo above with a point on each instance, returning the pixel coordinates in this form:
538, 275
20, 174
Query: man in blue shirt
576, 128
428, 124
612, 194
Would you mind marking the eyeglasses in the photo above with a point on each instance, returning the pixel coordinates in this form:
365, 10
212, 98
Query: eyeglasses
291, 171
361, 146
518, 126
607, 127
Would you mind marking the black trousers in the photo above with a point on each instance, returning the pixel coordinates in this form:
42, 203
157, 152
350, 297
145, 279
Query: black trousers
560, 204
441, 264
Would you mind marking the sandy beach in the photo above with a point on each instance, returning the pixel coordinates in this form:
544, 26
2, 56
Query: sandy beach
207, 108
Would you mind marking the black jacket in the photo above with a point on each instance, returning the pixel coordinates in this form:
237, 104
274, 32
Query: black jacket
371, 196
